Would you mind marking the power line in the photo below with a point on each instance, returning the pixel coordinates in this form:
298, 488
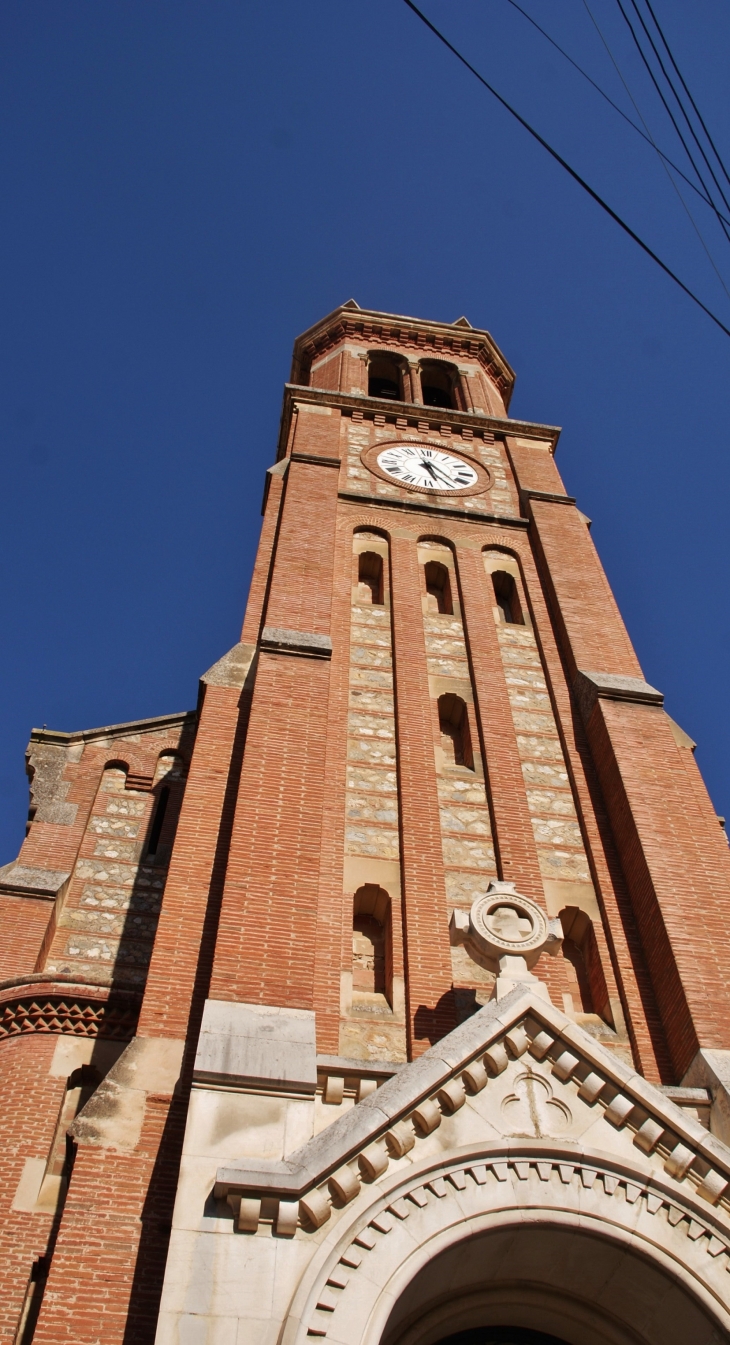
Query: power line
678, 99
716, 152
675, 188
615, 106
563, 163
670, 114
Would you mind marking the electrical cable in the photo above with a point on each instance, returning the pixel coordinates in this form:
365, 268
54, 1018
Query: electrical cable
615, 106
564, 164
680, 104
716, 152
650, 138
672, 117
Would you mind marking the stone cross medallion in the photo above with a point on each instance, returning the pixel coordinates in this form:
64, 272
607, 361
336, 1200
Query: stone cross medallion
506, 933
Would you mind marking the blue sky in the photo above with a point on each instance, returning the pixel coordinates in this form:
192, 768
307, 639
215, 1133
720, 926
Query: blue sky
187, 186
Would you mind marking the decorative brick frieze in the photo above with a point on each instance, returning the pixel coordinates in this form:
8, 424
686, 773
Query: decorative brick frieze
52, 1005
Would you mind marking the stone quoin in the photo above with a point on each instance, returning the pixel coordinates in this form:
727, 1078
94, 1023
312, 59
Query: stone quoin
386, 994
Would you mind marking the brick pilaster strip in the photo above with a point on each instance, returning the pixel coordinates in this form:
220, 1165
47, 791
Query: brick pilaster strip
252, 621
665, 827
333, 935
589, 625
198, 859
429, 997
672, 829
266, 937
266, 940
617, 936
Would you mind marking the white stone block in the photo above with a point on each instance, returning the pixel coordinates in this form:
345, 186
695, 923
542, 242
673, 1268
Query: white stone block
257, 1044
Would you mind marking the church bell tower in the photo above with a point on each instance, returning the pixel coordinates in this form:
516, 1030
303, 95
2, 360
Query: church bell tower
432, 1030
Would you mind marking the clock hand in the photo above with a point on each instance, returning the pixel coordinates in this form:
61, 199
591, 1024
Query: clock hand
429, 467
443, 476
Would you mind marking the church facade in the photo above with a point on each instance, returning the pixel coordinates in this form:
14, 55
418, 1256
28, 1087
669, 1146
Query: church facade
385, 995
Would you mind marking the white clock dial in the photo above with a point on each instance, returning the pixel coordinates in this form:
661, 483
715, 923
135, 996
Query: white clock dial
426, 468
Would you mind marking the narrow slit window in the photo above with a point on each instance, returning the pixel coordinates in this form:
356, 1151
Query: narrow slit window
438, 588
368, 955
159, 819
508, 598
578, 978
370, 578
454, 731
372, 951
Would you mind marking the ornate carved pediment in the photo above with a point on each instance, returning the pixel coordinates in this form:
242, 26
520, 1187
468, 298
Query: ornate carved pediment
517, 1080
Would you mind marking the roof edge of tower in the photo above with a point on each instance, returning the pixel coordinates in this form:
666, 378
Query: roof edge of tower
350, 313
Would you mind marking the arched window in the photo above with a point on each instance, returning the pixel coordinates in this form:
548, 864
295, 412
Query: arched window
508, 598
438, 588
170, 766
585, 976
159, 817
454, 728
370, 578
114, 779
578, 978
385, 378
437, 386
372, 970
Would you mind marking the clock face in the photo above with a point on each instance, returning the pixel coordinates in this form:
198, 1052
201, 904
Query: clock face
423, 467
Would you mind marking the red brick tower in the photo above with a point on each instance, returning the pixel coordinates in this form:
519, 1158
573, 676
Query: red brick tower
237, 922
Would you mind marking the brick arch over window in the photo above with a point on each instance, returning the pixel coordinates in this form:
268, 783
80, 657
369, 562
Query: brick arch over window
370, 553
142, 768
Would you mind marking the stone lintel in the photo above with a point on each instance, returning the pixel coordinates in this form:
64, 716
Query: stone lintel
361, 1069
20, 881
316, 459
276, 640
550, 496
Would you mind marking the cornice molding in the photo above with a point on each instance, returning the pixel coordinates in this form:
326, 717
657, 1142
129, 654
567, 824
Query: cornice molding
436, 339
327, 1172
432, 416
429, 508
112, 730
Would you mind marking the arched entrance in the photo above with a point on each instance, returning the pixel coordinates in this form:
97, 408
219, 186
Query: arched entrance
500, 1335
575, 1245
543, 1283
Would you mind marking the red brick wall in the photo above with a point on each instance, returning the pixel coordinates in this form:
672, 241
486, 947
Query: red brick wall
677, 864
583, 608
24, 921
31, 1103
